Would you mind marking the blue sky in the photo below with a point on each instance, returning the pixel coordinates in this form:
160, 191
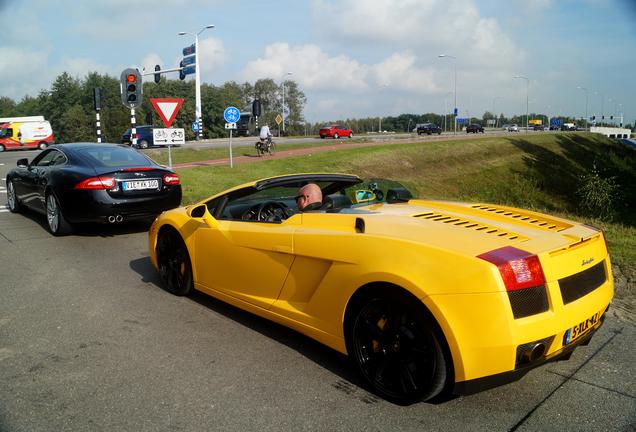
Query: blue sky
352, 58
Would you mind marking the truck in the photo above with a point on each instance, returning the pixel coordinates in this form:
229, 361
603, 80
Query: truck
25, 133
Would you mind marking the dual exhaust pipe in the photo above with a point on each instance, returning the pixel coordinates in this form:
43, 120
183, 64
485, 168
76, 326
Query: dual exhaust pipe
115, 218
533, 352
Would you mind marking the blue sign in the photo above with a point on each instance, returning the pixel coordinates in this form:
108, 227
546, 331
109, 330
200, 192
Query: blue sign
462, 120
455, 111
231, 114
189, 60
189, 50
189, 70
556, 122
195, 126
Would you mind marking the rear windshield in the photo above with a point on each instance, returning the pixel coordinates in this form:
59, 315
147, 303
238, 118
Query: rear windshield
114, 157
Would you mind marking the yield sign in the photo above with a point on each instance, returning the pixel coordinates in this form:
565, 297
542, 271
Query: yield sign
167, 108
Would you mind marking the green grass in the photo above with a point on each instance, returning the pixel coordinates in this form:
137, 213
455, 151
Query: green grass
184, 155
541, 172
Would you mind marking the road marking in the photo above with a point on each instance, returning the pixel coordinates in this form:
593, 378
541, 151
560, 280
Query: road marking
4, 209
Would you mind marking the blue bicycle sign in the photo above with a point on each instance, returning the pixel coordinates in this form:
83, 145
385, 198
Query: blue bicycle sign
231, 114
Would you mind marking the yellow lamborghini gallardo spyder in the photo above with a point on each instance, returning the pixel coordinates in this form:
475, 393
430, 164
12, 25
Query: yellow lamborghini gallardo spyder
423, 296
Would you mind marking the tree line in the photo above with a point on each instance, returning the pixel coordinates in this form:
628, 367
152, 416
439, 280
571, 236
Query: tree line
69, 106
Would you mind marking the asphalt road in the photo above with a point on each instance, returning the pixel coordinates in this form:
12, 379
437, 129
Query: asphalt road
90, 341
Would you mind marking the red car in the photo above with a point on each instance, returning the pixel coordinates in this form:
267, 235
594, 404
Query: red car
335, 131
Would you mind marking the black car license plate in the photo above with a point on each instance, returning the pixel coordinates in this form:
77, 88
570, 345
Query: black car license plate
140, 185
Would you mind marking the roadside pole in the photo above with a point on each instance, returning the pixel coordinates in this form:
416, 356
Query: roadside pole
133, 130
231, 116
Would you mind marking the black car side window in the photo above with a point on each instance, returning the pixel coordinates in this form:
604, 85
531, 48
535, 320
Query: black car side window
44, 159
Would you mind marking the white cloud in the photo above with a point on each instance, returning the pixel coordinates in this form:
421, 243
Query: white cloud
311, 67
212, 54
22, 72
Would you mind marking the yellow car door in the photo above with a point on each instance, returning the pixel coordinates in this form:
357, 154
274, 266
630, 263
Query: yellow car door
245, 259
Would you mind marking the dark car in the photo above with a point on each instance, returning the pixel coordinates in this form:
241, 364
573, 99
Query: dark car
428, 129
144, 137
539, 127
88, 182
474, 128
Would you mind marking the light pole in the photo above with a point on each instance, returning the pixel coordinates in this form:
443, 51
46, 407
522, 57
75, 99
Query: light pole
586, 100
493, 110
527, 87
455, 88
288, 73
197, 78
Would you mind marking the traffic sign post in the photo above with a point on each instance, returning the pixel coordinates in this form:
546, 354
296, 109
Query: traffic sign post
231, 116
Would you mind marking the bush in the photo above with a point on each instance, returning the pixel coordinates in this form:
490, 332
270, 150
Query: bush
599, 195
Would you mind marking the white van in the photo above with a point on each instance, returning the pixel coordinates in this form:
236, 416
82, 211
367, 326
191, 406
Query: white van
25, 134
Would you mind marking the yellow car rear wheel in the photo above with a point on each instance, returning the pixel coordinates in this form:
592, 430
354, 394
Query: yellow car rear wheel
396, 349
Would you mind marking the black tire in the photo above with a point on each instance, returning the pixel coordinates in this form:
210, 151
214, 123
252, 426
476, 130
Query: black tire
428, 133
55, 217
322, 137
173, 261
396, 349
12, 200
336, 136
143, 144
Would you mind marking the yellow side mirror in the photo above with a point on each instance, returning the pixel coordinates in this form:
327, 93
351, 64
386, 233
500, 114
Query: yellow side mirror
201, 212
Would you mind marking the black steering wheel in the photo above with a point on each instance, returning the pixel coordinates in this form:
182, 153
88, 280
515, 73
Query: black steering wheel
272, 211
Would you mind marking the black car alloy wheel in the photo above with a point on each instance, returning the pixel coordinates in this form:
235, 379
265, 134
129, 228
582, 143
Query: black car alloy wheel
396, 350
174, 263
12, 199
54, 216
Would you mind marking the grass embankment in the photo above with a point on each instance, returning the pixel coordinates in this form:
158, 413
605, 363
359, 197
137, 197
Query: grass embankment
543, 172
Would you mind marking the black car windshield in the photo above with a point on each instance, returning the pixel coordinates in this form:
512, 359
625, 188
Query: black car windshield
110, 157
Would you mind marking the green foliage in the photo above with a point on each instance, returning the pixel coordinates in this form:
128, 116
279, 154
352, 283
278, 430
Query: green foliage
68, 105
599, 195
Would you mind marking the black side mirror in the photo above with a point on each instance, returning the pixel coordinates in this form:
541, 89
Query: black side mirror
24, 162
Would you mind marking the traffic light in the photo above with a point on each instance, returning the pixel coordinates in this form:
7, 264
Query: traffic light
181, 72
157, 75
256, 107
131, 88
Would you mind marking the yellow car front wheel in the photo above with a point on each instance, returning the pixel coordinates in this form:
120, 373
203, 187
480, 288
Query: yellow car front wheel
396, 350
174, 262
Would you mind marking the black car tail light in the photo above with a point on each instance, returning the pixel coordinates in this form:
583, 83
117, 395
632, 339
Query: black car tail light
99, 182
171, 179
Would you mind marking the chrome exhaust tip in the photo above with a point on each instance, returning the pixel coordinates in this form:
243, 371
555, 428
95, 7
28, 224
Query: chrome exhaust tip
111, 219
119, 218
534, 352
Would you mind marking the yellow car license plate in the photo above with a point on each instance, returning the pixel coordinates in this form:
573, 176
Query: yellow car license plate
581, 329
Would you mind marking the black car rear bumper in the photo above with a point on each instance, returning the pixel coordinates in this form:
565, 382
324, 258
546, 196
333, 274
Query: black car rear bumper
97, 205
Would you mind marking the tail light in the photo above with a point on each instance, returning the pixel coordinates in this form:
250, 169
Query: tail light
171, 179
518, 269
96, 183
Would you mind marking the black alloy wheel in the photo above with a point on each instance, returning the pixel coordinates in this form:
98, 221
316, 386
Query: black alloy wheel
397, 351
174, 263
12, 198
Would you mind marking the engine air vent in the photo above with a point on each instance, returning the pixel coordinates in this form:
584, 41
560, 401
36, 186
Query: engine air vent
545, 223
466, 223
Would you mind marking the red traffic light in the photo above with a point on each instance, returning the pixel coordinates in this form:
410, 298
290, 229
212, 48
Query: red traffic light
131, 78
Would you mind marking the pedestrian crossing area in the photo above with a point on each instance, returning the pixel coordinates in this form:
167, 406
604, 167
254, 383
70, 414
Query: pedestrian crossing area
3, 207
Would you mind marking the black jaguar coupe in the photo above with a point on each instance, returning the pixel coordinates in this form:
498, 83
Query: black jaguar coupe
88, 182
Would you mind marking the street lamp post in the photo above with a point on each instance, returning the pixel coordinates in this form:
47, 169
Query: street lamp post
493, 110
288, 73
586, 100
527, 87
455, 88
197, 79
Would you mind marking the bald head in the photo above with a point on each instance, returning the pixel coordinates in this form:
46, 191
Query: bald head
309, 194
